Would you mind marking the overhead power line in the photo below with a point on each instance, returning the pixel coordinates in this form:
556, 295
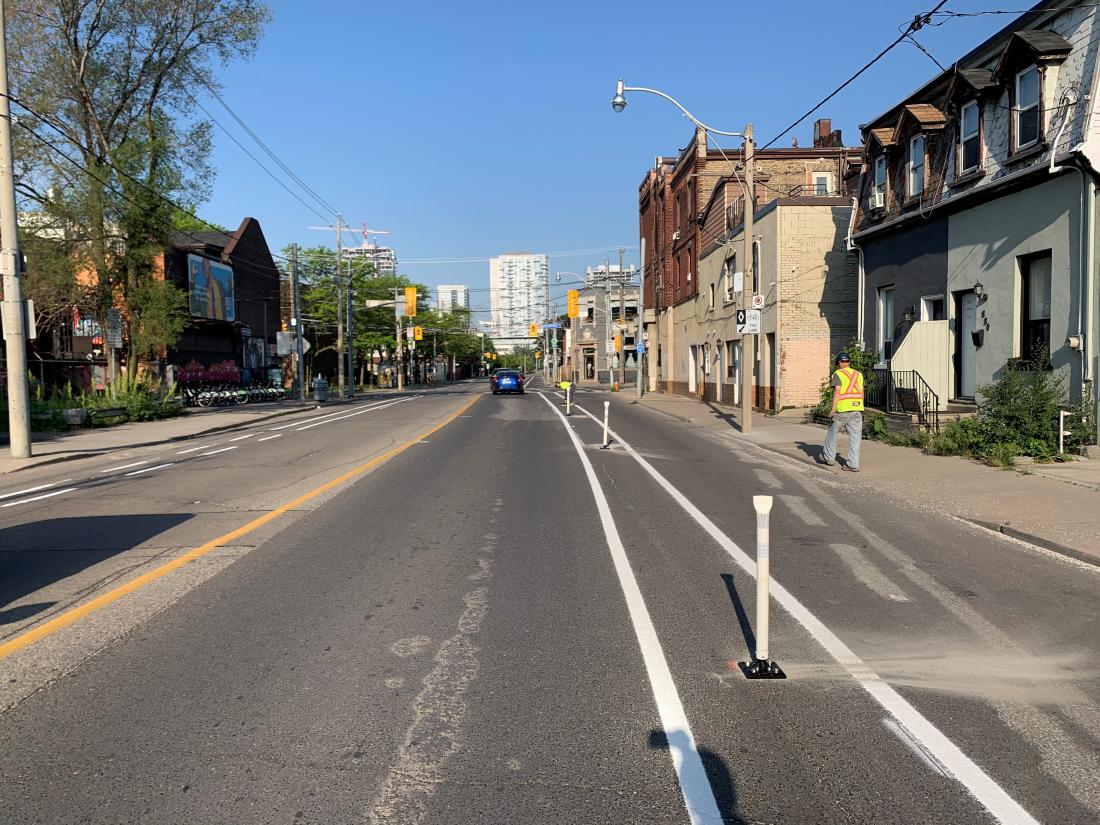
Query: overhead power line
918, 22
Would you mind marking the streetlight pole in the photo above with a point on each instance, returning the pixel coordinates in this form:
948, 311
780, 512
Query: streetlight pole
15, 335
748, 341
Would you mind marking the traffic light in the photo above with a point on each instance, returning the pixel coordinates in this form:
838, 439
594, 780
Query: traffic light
418, 333
538, 353
410, 301
573, 297
533, 330
618, 343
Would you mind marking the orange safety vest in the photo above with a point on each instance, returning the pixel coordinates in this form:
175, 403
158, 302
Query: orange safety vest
849, 395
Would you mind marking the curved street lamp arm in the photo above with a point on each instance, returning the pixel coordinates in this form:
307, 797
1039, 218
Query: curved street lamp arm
687, 114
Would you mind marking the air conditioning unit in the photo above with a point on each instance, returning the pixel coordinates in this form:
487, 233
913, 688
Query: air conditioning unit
880, 200
676, 235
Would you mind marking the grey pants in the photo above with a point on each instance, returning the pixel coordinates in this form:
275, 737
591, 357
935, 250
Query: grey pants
852, 422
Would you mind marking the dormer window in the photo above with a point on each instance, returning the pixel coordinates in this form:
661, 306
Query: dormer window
916, 166
880, 182
1026, 114
970, 138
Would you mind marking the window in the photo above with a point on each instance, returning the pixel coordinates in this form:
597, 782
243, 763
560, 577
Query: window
1035, 313
885, 323
757, 258
590, 312
1027, 108
970, 138
932, 308
733, 358
728, 270
822, 183
880, 182
712, 296
916, 166
706, 359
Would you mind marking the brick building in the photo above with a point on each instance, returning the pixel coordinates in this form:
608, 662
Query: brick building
692, 207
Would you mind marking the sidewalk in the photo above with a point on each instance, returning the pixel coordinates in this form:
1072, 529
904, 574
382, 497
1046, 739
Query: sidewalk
1053, 506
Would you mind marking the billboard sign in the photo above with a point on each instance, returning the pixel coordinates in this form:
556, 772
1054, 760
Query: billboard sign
210, 288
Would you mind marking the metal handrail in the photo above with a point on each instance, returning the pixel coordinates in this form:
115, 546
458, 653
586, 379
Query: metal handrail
893, 390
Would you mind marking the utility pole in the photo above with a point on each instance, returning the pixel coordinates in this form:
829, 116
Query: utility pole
299, 329
622, 320
748, 342
340, 297
350, 330
15, 337
400, 343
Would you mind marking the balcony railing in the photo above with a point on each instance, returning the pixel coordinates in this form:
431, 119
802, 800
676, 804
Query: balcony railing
815, 190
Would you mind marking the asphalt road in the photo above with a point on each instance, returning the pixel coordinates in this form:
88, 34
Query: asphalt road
488, 618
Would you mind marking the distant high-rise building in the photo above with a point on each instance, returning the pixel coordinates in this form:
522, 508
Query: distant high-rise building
452, 296
519, 295
383, 258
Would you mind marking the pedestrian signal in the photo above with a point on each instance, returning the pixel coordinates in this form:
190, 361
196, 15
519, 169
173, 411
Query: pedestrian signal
573, 297
410, 301
418, 333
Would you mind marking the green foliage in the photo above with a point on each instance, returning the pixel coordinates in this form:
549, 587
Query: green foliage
1017, 415
874, 427
158, 316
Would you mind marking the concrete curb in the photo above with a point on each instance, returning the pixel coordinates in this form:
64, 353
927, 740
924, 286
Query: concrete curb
1038, 541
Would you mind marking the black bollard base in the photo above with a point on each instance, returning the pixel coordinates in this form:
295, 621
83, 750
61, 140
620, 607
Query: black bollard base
761, 669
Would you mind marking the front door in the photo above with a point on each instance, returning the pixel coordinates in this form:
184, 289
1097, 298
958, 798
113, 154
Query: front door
968, 322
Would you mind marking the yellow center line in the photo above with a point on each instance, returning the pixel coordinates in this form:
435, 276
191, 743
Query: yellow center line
77, 613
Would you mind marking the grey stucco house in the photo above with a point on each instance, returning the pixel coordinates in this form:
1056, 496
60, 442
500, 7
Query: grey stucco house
976, 216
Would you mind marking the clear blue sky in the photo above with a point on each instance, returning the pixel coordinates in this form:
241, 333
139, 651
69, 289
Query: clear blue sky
470, 129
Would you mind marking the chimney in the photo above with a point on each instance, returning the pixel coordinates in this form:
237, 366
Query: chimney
822, 128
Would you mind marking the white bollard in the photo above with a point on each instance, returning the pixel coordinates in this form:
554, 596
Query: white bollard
569, 400
761, 666
606, 408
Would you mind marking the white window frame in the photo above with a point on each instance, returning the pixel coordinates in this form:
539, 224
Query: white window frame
828, 183
881, 175
729, 268
1018, 110
925, 306
916, 171
711, 295
975, 135
881, 321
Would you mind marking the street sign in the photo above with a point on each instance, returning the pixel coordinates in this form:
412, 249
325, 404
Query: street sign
639, 346
114, 328
748, 321
551, 326
757, 301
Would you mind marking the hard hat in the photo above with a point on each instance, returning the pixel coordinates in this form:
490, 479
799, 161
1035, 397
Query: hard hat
842, 356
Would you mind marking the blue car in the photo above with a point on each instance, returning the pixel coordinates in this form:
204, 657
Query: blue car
506, 381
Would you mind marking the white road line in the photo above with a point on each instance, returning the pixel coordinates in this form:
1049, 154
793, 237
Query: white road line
242, 437
34, 489
864, 570
321, 417
915, 747
38, 498
694, 785
797, 506
150, 469
981, 786
359, 412
768, 479
123, 467
269, 437
215, 452
202, 447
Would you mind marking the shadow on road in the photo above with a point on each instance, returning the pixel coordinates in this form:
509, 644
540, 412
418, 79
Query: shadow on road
39, 553
742, 617
725, 417
721, 781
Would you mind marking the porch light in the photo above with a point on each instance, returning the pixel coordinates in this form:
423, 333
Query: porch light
907, 316
979, 289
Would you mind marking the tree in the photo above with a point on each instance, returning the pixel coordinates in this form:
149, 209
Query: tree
108, 89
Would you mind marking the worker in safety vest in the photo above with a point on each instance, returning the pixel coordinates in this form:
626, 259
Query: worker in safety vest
847, 384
